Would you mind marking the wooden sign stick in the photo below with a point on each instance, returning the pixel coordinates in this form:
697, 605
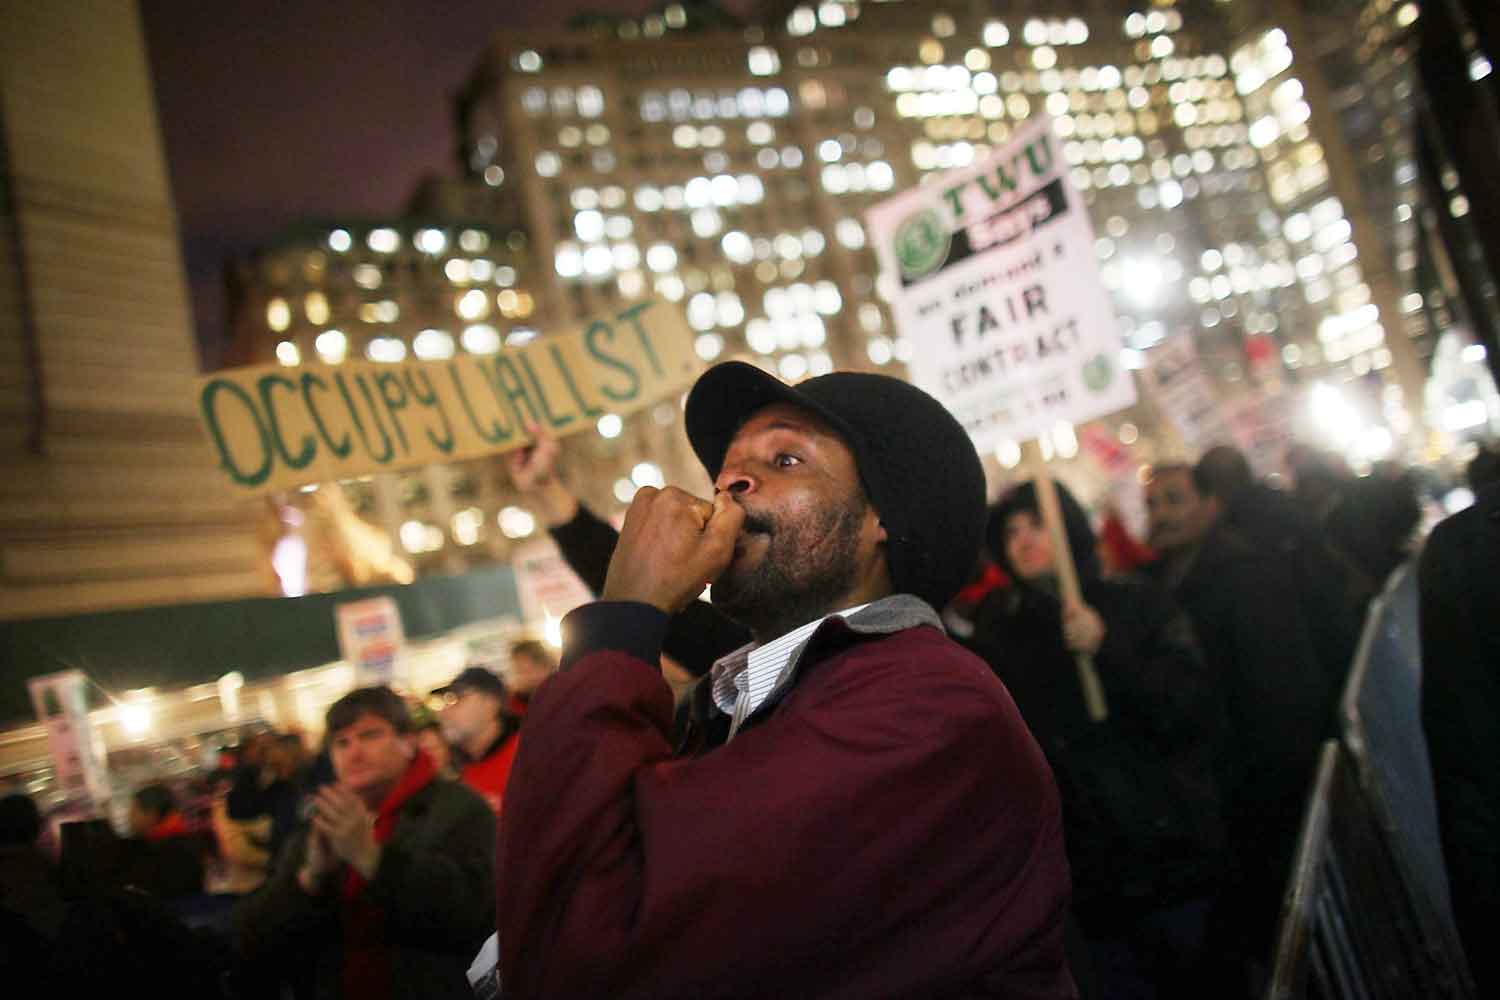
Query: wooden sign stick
1067, 576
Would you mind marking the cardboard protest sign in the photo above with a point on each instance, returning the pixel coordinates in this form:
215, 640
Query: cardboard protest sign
274, 427
995, 281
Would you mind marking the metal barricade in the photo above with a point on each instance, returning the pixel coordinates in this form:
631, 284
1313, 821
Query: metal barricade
1348, 929
1367, 914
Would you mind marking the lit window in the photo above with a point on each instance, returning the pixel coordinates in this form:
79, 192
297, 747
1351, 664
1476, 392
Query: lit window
568, 260
589, 226
331, 346
432, 345
288, 354
516, 522
850, 233
473, 304
278, 314
700, 311
764, 61
340, 241
431, 241
383, 240
709, 346
388, 350
737, 247
315, 304
480, 338
597, 261
590, 101
647, 474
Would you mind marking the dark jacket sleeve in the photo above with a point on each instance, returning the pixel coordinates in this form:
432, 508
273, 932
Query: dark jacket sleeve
443, 888
279, 917
696, 636
586, 544
655, 876
1150, 660
1283, 700
1461, 717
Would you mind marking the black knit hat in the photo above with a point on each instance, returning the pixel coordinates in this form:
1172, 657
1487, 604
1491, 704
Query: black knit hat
474, 679
915, 461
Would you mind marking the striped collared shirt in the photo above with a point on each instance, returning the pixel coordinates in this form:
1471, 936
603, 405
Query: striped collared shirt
742, 679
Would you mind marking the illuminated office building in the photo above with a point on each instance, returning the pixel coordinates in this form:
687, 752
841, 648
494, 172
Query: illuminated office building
1243, 190
389, 290
729, 170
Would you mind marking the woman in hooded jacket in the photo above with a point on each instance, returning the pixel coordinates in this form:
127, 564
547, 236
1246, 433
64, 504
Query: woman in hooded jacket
1140, 803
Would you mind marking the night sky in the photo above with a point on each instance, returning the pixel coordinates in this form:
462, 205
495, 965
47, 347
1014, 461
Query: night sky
277, 110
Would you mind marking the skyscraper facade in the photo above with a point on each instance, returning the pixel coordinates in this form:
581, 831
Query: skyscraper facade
1248, 172
729, 171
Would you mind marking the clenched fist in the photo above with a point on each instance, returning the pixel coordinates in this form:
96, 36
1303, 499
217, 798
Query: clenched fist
672, 545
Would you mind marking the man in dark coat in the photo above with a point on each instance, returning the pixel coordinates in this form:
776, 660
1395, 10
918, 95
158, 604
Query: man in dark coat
1460, 615
1278, 697
389, 891
864, 815
1332, 591
1139, 794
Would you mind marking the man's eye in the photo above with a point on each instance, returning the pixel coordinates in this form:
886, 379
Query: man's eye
784, 461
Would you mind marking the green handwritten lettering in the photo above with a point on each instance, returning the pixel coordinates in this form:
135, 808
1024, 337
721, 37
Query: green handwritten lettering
428, 398
207, 400
541, 395
567, 375
359, 425
590, 336
953, 196
496, 432
506, 383
387, 383
309, 445
632, 316
340, 448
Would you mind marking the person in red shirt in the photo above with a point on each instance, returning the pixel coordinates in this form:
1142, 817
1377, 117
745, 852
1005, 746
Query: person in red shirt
478, 720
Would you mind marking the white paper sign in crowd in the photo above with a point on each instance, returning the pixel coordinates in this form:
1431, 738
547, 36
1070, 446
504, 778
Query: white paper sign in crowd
1184, 391
994, 280
371, 638
61, 703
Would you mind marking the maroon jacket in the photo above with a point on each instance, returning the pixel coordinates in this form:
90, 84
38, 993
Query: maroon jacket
886, 828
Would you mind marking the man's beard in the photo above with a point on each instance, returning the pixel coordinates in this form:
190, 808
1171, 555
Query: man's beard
807, 567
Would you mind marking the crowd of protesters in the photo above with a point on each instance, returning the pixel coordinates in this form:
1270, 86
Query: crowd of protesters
875, 768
